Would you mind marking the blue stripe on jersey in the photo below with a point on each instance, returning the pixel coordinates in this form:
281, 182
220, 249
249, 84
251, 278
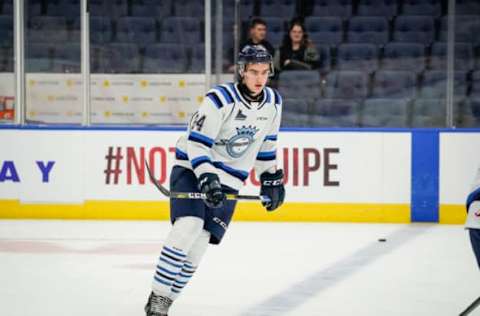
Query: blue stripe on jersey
235, 91
180, 155
270, 137
226, 94
267, 155
199, 138
278, 98
215, 99
240, 174
177, 253
474, 196
199, 160
175, 290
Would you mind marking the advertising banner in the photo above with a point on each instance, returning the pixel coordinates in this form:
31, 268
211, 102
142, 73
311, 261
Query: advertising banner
341, 168
118, 99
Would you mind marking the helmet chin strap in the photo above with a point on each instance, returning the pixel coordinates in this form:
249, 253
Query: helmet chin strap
248, 94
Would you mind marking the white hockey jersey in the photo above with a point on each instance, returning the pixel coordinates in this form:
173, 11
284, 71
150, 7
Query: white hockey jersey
473, 217
229, 136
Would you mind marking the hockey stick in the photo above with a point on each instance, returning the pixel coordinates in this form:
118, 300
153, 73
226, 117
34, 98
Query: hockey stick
471, 307
198, 195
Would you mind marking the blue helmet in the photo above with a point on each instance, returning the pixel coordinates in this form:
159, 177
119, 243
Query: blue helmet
254, 54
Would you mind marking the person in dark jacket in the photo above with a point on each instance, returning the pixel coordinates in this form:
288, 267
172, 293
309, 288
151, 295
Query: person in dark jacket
258, 36
297, 51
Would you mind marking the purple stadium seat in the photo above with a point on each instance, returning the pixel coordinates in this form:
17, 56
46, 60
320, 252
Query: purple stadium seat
165, 58
139, 30
185, 30
363, 29
47, 29
278, 8
467, 7
394, 84
361, 57
114, 55
197, 60
383, 8
385, 112
101, 30
38, 57
111, 8
464, 28
346, 85
422, 7
295, 113
404, 56
414, 29
434, 84
324, 30
464, 59
340, 8
429, 113
189, 8
156, 9
335, 113
475, 92
246, 9
275, 30
6, 31
299, 84
66, 58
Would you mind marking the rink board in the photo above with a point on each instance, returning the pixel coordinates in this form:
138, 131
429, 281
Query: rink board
460, 157
344, 175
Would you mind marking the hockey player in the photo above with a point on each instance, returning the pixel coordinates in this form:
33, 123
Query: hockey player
473, 217
235, 129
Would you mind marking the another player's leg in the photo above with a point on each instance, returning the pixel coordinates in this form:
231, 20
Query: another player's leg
185, 231
475, 240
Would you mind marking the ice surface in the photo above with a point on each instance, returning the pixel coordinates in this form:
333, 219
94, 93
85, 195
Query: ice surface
105, 268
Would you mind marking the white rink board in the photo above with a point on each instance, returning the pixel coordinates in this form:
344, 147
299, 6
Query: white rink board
459, 161
341, 167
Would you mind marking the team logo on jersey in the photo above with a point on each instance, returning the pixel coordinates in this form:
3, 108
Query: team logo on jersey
237, 145
240, 116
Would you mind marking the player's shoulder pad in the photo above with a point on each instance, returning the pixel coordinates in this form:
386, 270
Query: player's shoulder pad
277, 99
220, 96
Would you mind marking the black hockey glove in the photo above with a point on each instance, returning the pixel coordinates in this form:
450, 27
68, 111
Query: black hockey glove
209, 183
272, 186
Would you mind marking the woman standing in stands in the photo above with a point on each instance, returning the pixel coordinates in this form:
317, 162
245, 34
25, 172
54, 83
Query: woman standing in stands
297, 51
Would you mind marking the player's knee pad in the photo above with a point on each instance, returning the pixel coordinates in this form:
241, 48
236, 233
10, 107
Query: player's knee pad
185, 232
199, 247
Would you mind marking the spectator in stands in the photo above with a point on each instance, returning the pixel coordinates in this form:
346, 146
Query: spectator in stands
258, 35
297, 51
